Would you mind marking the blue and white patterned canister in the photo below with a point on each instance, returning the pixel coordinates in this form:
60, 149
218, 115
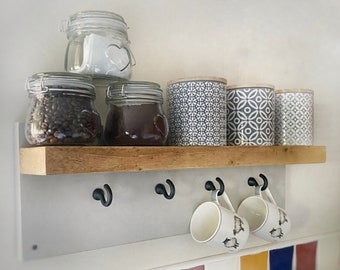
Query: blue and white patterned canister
197, 111
250, 115
294, 117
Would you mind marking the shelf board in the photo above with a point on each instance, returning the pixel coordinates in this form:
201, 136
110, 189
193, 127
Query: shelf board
52, 160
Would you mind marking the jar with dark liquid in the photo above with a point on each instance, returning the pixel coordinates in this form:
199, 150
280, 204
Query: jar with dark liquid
135, 115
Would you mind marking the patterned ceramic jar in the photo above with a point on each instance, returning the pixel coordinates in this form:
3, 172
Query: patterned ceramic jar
250, 115
197, 111
294, 117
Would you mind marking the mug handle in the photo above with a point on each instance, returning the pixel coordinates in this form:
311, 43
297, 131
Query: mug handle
214, 198
228, 202
268, 194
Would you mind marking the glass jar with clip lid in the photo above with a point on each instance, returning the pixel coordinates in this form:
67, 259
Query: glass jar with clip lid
61, 110
135, 115
98, 44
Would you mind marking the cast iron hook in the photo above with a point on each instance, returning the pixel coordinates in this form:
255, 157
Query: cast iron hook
98, 195
252, 182
161, 190
209, 185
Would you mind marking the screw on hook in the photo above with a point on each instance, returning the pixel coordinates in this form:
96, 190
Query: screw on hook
252, 181
161, 190
209, 185
99, 195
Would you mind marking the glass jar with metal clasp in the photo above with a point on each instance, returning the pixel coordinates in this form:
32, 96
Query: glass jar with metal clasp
135, 115
98, 44
61, 110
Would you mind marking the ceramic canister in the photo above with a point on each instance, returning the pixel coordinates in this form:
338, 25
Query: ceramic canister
197, 111
294, 117
250, 115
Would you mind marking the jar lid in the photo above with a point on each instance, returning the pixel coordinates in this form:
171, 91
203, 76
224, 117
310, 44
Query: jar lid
60, 82
134, 91
294, 90
250, 86
200, 78
94, 20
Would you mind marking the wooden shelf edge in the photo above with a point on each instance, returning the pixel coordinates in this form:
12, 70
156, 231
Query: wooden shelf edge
52, 160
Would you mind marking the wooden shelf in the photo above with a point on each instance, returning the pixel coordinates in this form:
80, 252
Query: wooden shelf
52, 160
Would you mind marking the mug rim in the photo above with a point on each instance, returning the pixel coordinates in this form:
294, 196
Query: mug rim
265, 202
216, 206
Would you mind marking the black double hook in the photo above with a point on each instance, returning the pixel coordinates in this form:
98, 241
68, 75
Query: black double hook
209, 185
99, 195
252, 182
161, 190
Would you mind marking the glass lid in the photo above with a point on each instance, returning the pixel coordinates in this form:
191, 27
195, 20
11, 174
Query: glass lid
44, 82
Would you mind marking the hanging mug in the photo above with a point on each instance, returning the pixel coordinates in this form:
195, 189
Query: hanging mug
218, 226
266, 220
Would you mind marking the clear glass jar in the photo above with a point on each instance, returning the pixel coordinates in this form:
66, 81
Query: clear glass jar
61, 110
135, 115
98, 44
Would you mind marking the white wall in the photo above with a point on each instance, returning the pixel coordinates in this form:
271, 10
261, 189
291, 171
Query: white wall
286, 43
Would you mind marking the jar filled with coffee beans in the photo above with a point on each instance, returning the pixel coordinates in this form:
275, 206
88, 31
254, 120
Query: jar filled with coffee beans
135, 115
61, 110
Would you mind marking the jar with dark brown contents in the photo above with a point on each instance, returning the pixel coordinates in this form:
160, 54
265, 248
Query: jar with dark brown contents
135, 115
61, 110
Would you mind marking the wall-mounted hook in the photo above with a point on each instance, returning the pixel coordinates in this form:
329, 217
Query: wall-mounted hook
209, 185
161, 190
252, 181
99, 195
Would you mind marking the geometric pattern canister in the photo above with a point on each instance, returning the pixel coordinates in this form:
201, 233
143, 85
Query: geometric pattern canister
250, 115
197, 111
294, 117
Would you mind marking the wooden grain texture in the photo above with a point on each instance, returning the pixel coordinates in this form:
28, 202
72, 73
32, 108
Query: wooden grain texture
49, 160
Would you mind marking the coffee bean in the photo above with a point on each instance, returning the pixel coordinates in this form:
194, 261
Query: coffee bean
59, 118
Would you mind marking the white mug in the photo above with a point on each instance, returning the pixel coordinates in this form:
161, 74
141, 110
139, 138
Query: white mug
218, 226
266, 220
